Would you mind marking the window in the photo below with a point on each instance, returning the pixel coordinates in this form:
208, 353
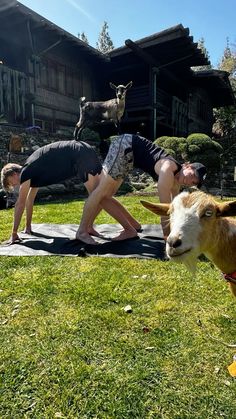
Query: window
202, 109
48, 126
57, 77
44, 74
69, 83
61, 79
52, 72
44, 125
38, 123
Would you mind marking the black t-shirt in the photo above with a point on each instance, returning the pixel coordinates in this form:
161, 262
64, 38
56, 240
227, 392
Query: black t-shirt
60, 161
146, 154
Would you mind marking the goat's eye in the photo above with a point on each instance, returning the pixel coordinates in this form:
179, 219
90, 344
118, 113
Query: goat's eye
207, 213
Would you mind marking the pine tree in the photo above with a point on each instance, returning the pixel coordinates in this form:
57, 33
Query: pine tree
228, 62
201, 46
104, 43
83, 37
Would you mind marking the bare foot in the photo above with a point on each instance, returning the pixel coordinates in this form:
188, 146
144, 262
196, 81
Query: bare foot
125, 235
93, 232
136, 225
85, 238
28, 231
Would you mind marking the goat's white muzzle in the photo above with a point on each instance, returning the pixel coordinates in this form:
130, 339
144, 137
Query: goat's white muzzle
177, 254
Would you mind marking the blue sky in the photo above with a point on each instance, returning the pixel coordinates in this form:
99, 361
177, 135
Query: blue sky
214, 20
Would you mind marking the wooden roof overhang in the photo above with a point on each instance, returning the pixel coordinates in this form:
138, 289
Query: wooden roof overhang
174, 54
216, 82
23, 22
172, 51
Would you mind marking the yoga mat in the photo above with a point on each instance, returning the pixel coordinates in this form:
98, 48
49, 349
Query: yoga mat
59, 239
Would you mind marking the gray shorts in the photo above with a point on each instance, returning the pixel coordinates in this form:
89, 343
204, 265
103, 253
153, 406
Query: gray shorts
119, 160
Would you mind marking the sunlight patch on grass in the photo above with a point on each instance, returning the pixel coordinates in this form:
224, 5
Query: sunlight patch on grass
163, 306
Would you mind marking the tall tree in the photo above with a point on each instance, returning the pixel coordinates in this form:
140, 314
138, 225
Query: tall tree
83, 37
104, 43
225, 118
228, 62
201, 46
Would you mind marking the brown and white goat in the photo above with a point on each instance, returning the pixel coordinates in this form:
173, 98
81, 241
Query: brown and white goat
110, 110
199, 224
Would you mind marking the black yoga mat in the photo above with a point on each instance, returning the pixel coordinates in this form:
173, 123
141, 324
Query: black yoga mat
59, 239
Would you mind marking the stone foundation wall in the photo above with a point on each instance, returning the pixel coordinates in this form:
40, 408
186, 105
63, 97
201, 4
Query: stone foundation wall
29, 142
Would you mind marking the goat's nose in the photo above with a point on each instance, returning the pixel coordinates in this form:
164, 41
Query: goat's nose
174, 242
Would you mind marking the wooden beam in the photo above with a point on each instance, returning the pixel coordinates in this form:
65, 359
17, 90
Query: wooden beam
152, 62
147, 58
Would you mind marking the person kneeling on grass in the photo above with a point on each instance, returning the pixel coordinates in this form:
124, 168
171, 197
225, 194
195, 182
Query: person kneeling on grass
130, 151
51, 164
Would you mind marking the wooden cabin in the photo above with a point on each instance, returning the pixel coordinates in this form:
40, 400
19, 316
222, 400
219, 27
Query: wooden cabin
168, 97
44, 70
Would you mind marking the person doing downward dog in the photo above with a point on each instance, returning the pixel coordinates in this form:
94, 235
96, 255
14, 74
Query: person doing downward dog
130, 151
51, 164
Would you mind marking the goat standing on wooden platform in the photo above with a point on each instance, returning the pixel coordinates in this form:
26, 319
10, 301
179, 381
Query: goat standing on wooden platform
199, 224
110, 110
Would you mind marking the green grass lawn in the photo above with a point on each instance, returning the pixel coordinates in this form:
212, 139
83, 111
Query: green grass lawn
69, 350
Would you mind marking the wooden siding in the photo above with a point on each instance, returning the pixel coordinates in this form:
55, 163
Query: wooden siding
13, 91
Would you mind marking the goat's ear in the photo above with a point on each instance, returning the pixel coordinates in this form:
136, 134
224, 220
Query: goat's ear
82, 100
160, 209
129, 85
227, 209
112, 85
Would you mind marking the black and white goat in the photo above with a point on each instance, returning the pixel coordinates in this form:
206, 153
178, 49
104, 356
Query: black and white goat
110, 110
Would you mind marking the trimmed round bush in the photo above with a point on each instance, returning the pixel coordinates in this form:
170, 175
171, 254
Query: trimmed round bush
171, 152
194, 149
175, 146
161, 140
198, 136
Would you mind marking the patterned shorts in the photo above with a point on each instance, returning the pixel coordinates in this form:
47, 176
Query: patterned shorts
119, 160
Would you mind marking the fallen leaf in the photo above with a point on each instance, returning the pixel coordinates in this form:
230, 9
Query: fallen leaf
232, 369
146, 329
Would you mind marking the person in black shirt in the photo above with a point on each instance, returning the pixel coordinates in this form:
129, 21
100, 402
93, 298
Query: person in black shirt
130, 151
51, 164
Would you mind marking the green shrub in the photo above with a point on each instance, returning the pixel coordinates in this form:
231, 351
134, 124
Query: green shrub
175, 146
218, 148
202, 148
196, 147
207, 144
182, 147
171, 152
159, 141
193, 149
198, 136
